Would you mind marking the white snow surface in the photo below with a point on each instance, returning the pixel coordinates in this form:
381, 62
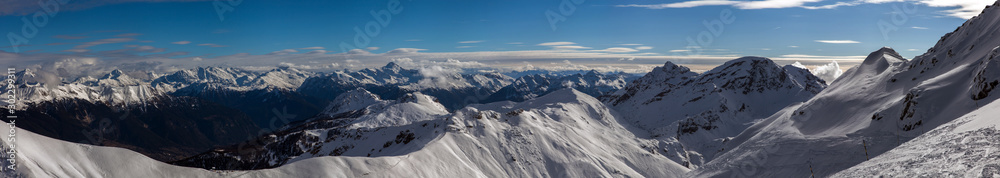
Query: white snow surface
694, 115
871, 109
563, 134
965, 147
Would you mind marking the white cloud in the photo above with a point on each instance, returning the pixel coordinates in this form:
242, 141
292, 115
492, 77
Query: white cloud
311, 48
559, 43
805, 57
464, 46
318, 52
211, 45
828, 72
793, 46
921, 28
685, 4
799, 65
371, 48
283, 52
104, 41
964, 9
631, 44
912, 50
837, 41
765, 4
358, 51
643, 47
182, 42
515, 43
468, 42
570, 47
440, 77
196, 59
769, 4
617, 50
627, 59
679, 50
405, 50
77, 50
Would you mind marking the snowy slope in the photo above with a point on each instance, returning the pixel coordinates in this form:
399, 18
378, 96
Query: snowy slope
563, 134
965, 147
872, 108
694, 115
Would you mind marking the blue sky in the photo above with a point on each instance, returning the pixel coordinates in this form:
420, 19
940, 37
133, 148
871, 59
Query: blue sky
517, 33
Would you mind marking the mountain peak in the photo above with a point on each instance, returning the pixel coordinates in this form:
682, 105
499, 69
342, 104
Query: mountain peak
749, 63
114, 74
392, 66
670, 67
881, 59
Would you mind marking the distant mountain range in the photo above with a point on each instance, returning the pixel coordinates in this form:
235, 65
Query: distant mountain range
248, 102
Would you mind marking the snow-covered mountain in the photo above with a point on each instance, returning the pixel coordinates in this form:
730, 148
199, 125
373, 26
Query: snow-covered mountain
873, 108
693, 115
412, 136
393, 81
965, 147
592, 83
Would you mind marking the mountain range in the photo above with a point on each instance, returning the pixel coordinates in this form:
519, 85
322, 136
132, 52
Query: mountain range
930, 116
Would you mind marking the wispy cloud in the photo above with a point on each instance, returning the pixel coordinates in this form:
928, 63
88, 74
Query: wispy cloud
27, 7
77, 50
128, 34
313, 48
766, 4
464, 46
806, 57
467, 42
211, 45
68, 37
966, 8
405, 50
570, 47
181, 42
922, 28
963, 8
837, 41
104, 41
617, 50
283, 52
559, 43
